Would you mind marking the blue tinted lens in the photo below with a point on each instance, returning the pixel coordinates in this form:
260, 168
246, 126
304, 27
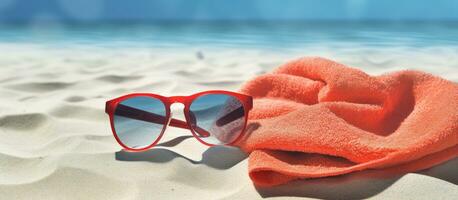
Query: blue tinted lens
138, 121
222, 116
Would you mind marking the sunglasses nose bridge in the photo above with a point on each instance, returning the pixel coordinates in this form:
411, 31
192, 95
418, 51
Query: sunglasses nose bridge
178, 99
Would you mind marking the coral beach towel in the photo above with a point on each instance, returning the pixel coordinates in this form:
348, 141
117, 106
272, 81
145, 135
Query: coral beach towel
313, 117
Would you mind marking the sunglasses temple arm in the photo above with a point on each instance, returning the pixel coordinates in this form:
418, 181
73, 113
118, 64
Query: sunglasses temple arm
181, 124
134, 113
230, 117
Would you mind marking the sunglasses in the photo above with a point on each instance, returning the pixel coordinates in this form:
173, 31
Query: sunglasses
215, 117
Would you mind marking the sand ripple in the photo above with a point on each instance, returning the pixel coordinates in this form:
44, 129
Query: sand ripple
40, 87
23, 121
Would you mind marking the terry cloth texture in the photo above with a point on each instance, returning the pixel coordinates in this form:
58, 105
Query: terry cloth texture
313, 117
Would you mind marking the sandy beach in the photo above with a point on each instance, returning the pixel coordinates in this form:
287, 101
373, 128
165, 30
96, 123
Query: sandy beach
56, 141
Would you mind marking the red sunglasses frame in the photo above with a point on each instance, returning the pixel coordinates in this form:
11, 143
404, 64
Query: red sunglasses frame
110, 107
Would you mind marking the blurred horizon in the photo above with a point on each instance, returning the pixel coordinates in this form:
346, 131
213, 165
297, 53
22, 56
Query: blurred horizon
119, 11
236, 24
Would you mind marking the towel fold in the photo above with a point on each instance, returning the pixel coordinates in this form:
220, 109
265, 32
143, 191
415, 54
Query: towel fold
316, 118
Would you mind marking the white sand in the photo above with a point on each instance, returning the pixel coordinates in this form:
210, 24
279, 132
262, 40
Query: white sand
56, 142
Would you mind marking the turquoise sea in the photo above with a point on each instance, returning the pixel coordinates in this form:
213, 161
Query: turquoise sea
264, 35
374, 47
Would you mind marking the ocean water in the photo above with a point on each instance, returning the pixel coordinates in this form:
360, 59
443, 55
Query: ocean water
375, 47
264, 35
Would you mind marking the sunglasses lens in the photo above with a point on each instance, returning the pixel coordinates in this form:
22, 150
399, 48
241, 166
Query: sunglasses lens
138, 121
217, 118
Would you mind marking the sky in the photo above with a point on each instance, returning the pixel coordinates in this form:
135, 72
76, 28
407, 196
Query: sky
154, 10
